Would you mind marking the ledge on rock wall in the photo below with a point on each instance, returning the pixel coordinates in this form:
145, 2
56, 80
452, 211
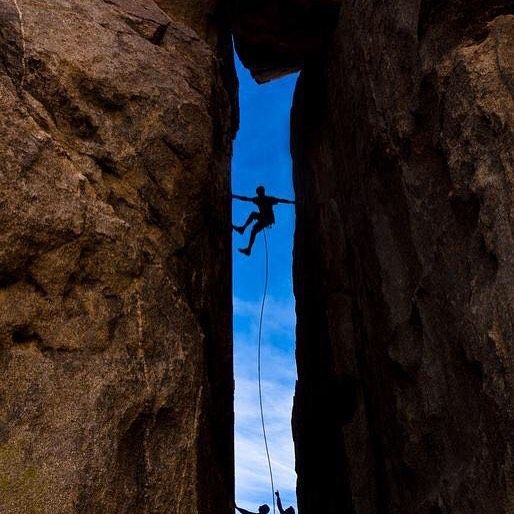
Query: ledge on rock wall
274, 37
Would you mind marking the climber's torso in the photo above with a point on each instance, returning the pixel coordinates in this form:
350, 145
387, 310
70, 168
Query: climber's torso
265, 205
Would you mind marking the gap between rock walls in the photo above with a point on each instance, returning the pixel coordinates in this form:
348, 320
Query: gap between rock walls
264, 316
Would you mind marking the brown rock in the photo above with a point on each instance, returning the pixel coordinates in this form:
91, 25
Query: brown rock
116, 123
115, 308
404, 172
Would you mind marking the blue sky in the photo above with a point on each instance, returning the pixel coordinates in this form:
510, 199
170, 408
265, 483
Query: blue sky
261, 156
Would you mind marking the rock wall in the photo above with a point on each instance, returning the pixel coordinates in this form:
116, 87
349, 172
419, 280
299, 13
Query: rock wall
403, 143
116, 122
115, 306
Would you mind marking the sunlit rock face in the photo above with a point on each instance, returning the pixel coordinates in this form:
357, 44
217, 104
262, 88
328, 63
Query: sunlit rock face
275, 37
115, 304
403, 138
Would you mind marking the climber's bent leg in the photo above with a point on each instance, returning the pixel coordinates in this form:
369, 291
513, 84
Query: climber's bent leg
255, 230
254, 216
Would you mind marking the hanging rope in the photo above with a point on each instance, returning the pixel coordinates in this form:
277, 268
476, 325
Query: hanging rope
264, 297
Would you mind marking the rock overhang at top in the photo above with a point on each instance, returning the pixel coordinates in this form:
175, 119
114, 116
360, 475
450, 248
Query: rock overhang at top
275, 37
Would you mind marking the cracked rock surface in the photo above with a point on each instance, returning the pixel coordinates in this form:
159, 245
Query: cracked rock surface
115, 138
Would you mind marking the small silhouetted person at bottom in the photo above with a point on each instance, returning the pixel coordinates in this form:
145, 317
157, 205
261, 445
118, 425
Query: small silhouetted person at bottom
264, 218
263, 509
289, 510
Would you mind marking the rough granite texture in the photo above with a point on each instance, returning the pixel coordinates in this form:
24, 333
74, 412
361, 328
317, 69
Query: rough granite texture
115, 291
116, 123
403, 142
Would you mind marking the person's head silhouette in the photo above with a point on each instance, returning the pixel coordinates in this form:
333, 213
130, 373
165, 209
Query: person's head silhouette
264, 509
289, 510
260, 192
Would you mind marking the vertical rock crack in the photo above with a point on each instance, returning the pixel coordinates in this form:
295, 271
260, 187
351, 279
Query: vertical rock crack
23, 43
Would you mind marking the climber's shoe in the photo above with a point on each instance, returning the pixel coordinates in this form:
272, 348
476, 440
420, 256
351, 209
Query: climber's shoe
245, 251
241, 230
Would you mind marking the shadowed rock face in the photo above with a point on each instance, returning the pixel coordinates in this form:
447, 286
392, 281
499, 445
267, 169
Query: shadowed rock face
275, 37
115, 307
403, 138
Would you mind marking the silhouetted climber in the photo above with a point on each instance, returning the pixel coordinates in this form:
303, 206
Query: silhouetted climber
264, 218
263, 509
289, 510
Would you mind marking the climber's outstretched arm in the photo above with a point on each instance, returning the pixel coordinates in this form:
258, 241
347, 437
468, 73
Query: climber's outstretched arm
279, 503
244, 511
284, 200
243, 198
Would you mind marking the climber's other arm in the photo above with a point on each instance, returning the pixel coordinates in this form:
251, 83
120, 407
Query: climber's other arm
284, 200
243, 198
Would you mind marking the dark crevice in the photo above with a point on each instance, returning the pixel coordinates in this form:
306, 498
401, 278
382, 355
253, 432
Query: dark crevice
25, 335
106, 164
8, 278
38, 288
100, 94
427, 11
159, 35
466, 208
369, 374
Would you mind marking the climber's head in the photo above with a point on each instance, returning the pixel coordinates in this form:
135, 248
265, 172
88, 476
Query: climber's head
260, 192
263, 509
289, 510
